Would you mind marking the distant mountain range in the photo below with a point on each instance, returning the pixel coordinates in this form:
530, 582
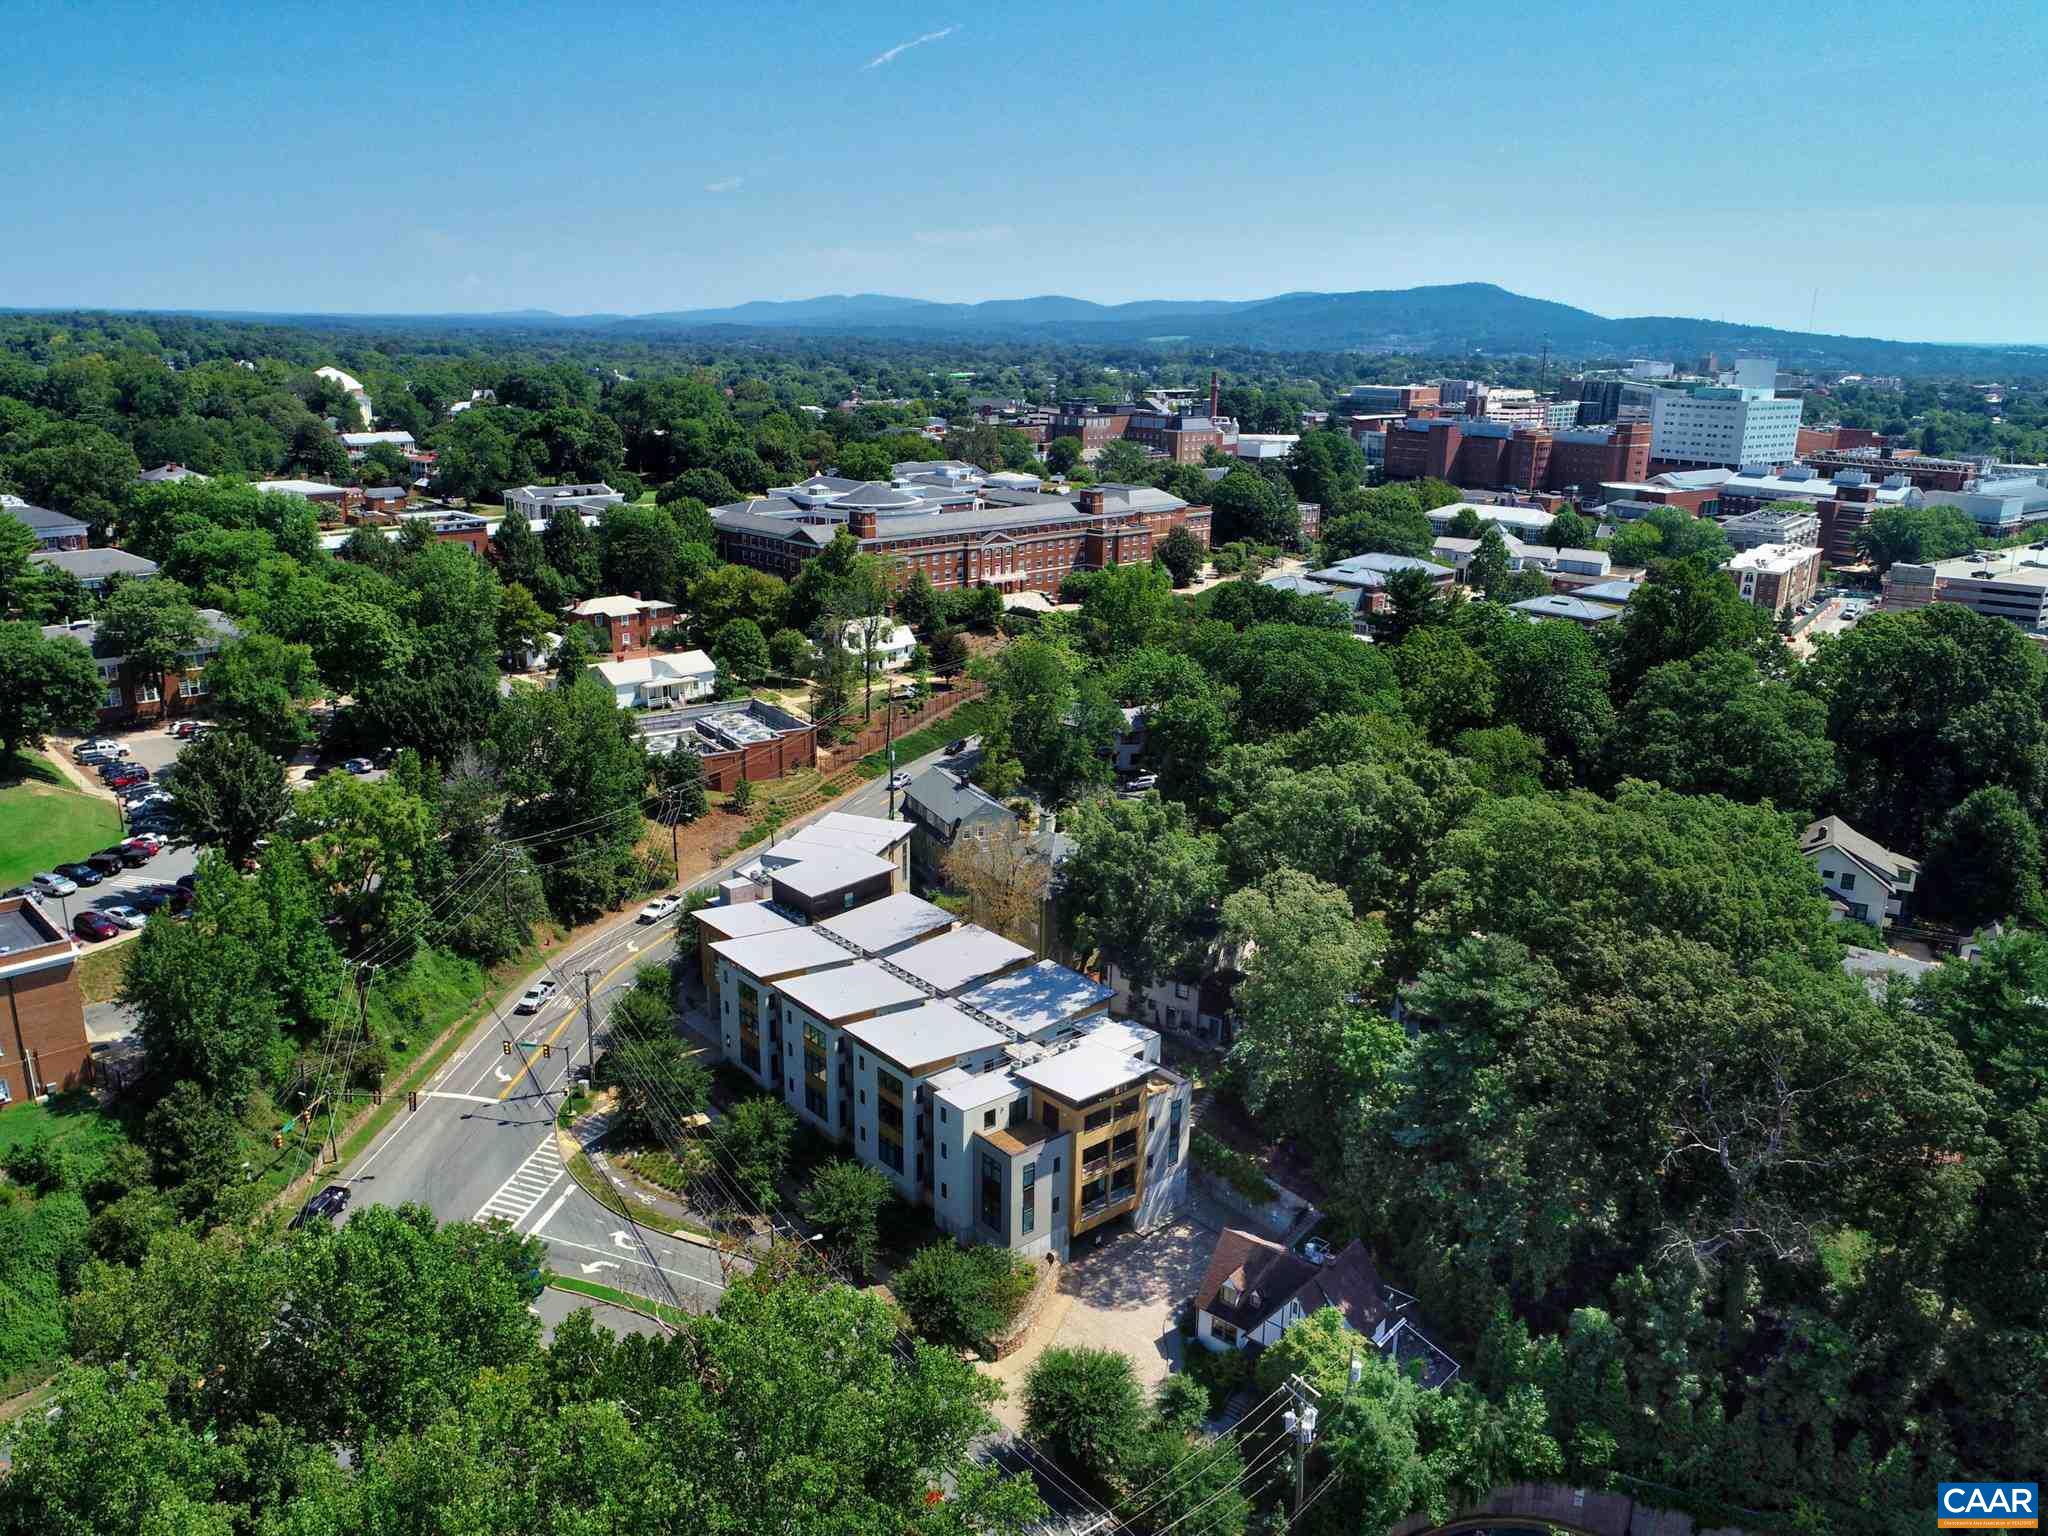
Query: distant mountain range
1449, 318
1441, 320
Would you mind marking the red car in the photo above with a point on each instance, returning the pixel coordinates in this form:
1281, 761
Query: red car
148, 844
127, 780
94, 926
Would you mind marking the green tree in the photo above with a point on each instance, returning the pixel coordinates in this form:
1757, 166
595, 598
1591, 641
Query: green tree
752, 1142
153, 624
1710, 725
1983, 861
1916, 535
523, 625
741, 653
639, 550
657, 1080
1127, 606
1183, 556
961, 1297
1286, 675
228, 792
736, 592
917, 603
789, 653
1553, 682
46, 685
1924, 709
1686, 607
1326, 466
1568, 530
518, 552
1446, 685
1139, 885
573, 554
1082, 1406
1122, 462
17, 571
1062, 454
260, 685
1244, 504
370, 845
575, 772
949, 652
1488, 571
845, 1200
1303, 1032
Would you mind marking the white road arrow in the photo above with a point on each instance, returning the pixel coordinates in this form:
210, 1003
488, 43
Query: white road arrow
591, 1269
499, 1074
623, 1240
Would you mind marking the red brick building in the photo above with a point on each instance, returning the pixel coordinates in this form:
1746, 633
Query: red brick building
1491, 455
1019, 542
43, 1046
1837, 439
134, 694
739, 739
623, 626
1178, 435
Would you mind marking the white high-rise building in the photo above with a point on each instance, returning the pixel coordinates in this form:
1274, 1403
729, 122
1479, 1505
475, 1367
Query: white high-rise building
1726, 428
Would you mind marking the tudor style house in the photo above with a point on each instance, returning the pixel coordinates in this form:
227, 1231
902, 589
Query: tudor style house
1864, 878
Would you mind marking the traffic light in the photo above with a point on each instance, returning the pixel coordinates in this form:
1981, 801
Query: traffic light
546, 1050
277, 1140
508, 1047
376, 1095
412, 1101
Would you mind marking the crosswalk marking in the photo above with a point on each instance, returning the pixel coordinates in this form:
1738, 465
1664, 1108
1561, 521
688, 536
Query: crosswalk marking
517, 1197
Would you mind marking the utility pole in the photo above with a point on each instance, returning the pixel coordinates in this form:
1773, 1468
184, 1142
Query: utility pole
362, 1031
890, 737
1301, 1428
589, 1033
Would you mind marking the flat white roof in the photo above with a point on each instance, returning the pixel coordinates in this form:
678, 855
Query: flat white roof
922, 1034
1038, 998
1775, 558
616, 605
967, 1091
831, 872
1116, 1035
861, 987
780, 951
1082, 1071
742, 920
846, 824
954, 960
882, 925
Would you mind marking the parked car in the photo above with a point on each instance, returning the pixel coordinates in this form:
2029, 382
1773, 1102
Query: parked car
359, 765
188, 882
325, 1206
659, 908
148, 844
123, 914
126, 778
183, 728
900, 779
96, 757
53, 884
82, 874
1137, 784
100, 744
150, 898
155, 823
955, 748
131, 858
535, 997
108, 864
94, 926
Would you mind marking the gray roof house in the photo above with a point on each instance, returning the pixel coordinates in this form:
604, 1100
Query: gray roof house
93, 567
941, 805
53, 530
1866, 878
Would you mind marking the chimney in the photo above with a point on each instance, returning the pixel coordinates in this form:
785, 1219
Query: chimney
1215, 393
861, 522
1091, 498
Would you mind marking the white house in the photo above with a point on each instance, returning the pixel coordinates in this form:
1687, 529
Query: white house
360, 443
1866, 878
659, 682
891, 643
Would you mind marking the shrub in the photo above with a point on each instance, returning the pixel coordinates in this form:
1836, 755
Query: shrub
962, 1296
1083, 1405
1221, 1372
1231, 1166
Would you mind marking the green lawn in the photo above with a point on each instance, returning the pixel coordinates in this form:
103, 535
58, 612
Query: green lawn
43, 823
965, 721
72, 1120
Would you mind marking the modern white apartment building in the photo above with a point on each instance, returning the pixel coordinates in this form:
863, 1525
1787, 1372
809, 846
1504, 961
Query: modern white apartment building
2007, 583
993, 1089
1734, 428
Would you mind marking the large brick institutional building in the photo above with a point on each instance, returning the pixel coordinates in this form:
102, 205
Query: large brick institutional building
43, 1046
1020, 541
1491, 455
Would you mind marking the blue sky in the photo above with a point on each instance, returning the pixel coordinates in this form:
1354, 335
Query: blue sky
1723, 160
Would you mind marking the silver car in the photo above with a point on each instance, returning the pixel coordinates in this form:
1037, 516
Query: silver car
54, 885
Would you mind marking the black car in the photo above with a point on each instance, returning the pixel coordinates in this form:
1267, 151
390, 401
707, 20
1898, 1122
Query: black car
131, 858
325, 1206
80, 874
147, 900
108, 863
187, 882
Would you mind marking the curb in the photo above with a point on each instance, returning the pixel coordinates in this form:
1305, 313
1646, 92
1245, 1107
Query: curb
569, 1148
618, 1306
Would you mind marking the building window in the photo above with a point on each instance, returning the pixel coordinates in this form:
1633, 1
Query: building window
1222, 1332
942, 1191
992, 1193
988, 1119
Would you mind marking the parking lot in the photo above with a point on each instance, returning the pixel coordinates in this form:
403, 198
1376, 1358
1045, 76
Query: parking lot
156, 749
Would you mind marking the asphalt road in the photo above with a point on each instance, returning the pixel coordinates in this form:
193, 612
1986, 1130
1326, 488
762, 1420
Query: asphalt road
482, 1143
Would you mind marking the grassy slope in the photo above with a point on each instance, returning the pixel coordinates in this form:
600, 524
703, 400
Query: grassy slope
43, 823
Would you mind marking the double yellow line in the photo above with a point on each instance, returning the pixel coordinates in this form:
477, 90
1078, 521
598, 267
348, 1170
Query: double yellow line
570, 1017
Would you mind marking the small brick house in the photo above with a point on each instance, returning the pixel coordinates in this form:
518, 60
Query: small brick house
43, 1045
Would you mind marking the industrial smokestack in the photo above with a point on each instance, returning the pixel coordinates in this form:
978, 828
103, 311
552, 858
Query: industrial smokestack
1215, 393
